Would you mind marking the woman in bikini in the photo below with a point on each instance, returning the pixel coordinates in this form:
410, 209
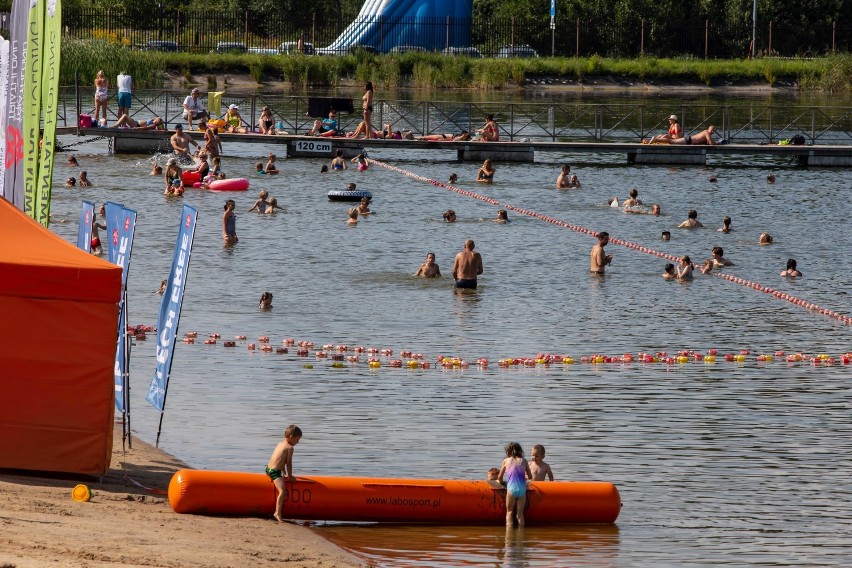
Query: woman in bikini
489, 132
266, 121
101, 94
367, 105
486, 173
463, 137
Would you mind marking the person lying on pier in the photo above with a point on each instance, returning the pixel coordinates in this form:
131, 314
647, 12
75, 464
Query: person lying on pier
489, 132
464, 136
150, 124
705, 137
327, 126
675, 131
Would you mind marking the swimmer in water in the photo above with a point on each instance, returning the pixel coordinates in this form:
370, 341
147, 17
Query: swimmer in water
453, 178
353, 216
429, 269
655, 210
770, 179
258, 166
84, 179
563, 181
273, 205
502, 216
162, 289
707, 267
633, 200
764, 239
270, 168
492, 474
726, 225
613, 202
791, 271
364, 207
692, 221
156, 170
338, 163
361, 160
669, 272
665, 236
718, 259
324, 169
72, 161
71, 182
574, 183
261, 204
486, 172
265, 301
450, 216
684, 271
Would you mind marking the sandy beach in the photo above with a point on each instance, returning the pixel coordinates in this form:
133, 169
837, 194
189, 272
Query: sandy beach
127, 525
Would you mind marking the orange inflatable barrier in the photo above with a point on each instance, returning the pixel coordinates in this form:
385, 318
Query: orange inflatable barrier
390, 500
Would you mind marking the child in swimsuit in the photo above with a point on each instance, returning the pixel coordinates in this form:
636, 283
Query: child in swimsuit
362, 162
486, 173
265, 301
261, 204
514, 472
270, 165
273, 205
259, 167
338, 163
280, 466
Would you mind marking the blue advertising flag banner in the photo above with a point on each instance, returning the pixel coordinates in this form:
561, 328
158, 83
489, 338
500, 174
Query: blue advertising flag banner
120, 368
167, 323
121, 224
84, 232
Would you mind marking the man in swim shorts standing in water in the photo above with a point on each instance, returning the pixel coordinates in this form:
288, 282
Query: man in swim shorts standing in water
599, 260
467, 266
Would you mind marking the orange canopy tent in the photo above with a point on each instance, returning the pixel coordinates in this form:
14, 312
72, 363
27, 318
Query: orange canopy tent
57, 349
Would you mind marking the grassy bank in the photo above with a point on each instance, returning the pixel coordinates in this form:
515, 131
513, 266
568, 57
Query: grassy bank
82, 59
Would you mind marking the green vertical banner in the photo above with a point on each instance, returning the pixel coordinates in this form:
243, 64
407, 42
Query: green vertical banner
49, 103
32, 103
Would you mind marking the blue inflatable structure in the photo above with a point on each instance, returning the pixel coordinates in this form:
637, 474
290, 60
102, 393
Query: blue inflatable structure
404, 25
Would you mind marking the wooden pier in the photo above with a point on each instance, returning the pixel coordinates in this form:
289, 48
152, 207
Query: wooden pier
132, 141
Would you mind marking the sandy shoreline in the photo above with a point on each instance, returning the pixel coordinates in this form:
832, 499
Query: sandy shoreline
125, 525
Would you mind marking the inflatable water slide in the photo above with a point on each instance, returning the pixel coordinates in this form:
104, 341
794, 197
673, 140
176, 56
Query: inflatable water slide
387, 24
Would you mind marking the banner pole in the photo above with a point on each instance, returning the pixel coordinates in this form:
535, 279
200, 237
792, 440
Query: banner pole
127, 345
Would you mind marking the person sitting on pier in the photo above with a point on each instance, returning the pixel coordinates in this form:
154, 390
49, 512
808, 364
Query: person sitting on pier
489, 132
675, 131
234, 120
705, 137
327, 126
464, 136
193, 107
127, 121
266, 122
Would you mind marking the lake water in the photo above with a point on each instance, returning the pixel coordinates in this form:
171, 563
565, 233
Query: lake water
717, 464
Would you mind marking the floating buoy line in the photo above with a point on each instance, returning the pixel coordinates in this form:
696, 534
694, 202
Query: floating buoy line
621, 242
341, 356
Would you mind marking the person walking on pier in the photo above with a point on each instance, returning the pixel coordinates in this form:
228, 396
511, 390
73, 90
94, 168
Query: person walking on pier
367, 104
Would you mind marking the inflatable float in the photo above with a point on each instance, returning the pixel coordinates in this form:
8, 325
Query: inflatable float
233, 184
390, 500
347, 195
190, 177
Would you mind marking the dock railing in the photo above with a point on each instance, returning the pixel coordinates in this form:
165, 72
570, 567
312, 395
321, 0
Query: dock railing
563, 121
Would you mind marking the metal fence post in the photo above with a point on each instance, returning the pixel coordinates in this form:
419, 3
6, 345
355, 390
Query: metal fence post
512, 121
706, 37
512, 42
447, 46
642, 37
246, 33
577, 53
833, 36
314, 29
769, 50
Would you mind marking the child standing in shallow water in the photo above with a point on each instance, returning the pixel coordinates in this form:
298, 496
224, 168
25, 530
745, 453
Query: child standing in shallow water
229, 223
281, 465
514, 472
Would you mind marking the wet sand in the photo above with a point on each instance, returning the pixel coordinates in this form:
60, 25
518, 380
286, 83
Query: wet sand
126, 525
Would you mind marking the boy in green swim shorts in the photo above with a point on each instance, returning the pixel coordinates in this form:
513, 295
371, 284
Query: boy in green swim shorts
280, 466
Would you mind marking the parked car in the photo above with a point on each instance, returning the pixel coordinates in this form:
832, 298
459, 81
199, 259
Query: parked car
471, 52
516, 51
230, 47
407, 49
160, 45
263, 50
292, 48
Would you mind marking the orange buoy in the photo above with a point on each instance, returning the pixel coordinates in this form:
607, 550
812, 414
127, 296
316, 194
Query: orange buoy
391, 500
